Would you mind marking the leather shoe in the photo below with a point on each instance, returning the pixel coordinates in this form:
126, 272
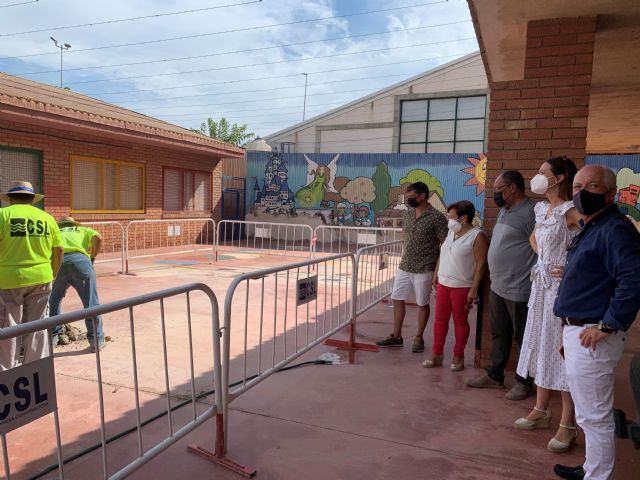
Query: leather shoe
519, 391
484, 381
569, 473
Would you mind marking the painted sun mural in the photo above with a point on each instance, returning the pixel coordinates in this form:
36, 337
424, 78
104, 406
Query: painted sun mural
478, 172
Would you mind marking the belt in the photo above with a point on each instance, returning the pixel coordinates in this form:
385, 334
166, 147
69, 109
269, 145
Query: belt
576, 322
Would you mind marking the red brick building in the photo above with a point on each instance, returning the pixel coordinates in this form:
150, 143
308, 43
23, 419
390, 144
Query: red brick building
563, 80
97, 161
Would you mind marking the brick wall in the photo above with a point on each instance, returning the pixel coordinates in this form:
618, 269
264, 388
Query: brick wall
542, 115
57, 146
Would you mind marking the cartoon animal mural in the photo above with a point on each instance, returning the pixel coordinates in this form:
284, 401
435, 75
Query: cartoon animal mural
358, 189
627, 168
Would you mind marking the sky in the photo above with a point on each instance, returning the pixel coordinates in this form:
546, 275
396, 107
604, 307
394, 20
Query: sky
251, 55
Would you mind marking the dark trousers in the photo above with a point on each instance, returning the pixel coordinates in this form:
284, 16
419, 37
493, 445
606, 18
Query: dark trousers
508, 321
634, 377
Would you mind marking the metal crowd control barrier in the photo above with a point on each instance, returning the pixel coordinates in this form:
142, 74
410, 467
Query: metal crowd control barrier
287, 311
142, 456
290, 239
377, 266
154, 238
334, 239
113, 242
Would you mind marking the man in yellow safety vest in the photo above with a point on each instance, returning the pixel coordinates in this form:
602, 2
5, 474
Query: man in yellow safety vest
30, 256
81, 247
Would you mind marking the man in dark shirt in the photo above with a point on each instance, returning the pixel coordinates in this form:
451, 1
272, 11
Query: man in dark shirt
598, 300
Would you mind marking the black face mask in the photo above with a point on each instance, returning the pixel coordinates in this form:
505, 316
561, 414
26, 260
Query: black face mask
588, 203
413, 202
498, 199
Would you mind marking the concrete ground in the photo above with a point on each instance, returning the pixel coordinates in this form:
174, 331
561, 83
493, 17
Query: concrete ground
382, 417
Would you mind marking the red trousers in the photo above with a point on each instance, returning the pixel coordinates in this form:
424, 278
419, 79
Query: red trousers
451, 300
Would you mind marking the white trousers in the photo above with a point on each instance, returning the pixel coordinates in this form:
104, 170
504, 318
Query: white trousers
20, 305
590, 378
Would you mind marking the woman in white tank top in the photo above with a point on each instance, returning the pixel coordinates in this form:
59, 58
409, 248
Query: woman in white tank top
457, 277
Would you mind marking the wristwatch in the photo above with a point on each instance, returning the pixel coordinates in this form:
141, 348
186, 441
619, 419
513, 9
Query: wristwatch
604, 329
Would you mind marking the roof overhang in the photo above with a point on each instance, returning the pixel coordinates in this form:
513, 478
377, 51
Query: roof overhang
29, 117
614, 110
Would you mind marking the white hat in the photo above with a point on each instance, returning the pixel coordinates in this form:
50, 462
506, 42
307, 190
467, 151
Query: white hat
22, 188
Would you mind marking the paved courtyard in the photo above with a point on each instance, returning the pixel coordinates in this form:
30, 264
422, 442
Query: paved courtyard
382, 417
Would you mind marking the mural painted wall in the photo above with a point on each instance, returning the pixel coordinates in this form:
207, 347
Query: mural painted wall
361, 189
627, 169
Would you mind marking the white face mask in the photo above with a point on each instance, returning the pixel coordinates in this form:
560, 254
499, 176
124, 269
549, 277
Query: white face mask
454, 225
540, 184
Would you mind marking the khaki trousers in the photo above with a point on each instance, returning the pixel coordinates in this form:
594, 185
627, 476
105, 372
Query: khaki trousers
20, 305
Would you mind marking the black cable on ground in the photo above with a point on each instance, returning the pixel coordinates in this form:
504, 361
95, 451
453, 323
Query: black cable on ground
124, 433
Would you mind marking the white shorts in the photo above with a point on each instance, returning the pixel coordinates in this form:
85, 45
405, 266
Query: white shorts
406, 283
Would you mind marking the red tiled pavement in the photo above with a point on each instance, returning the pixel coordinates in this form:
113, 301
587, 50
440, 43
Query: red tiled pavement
384, 417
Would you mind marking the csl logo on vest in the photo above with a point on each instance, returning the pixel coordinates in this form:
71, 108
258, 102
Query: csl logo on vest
35, 228
27, 393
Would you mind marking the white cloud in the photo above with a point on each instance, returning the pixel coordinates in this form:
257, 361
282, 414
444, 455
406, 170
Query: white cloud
261, 114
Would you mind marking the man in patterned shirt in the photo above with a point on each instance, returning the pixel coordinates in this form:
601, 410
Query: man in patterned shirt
424, 230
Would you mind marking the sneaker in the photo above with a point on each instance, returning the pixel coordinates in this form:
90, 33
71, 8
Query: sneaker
519, 391
418, 345
92, 348
390, 341
484, 381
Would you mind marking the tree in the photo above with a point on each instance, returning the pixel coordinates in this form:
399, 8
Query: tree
225, 132
382, 181
423, 176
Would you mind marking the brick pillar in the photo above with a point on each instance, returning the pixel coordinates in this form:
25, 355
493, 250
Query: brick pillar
543, 115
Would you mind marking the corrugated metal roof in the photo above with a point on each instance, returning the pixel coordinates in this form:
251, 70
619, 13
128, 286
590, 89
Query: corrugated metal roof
47, 99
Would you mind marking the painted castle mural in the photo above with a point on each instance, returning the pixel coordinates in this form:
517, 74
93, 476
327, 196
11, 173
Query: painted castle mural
627, 168
356, 189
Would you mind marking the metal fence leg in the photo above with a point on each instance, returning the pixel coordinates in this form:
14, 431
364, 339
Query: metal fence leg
351, 345
5, 457
219, 455
221, 383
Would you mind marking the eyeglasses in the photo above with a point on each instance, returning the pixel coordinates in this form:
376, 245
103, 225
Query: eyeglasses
499, 189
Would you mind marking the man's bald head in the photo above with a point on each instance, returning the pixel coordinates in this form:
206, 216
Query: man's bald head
596, 179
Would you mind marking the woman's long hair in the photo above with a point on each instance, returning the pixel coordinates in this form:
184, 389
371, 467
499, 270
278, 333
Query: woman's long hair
564, 166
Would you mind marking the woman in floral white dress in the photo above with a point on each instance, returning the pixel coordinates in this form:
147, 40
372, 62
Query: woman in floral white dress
556, 224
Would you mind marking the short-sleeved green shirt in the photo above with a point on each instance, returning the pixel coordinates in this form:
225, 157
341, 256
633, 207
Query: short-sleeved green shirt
422, 238
27, 238
77, 239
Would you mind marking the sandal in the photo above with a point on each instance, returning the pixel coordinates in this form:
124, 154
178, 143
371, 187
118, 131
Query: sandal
434, 361
557, 446
457, 364
525, 424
